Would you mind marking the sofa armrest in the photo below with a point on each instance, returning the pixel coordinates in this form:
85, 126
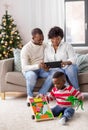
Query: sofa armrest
5, 66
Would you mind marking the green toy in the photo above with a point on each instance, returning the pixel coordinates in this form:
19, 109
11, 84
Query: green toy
75, 102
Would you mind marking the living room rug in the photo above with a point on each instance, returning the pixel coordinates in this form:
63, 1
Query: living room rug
15, 115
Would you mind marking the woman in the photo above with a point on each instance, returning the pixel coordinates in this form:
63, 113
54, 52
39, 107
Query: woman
61, 51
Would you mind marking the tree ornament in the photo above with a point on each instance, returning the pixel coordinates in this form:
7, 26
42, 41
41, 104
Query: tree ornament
9, 36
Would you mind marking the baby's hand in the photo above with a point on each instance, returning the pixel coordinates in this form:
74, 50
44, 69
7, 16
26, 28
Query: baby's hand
40, 96
81, 97
46, 98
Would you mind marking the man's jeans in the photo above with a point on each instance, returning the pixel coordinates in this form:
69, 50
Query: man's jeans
66, 112
31, 79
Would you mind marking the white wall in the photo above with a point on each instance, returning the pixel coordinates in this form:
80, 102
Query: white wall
29, 14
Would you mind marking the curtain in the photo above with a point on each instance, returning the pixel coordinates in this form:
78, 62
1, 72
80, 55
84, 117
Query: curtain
46, 14
29, 14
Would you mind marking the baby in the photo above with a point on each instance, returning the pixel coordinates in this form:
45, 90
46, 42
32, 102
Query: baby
61, 93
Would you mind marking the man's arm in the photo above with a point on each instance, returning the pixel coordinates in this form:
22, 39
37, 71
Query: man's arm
25, 62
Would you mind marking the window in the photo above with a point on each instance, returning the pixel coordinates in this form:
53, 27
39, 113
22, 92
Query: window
76, 22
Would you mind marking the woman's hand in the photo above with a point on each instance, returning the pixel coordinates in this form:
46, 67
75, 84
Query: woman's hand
64, 63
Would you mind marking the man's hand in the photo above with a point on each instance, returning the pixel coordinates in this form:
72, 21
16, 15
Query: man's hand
43, 66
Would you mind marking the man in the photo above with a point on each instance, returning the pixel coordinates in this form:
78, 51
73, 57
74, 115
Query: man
32, 55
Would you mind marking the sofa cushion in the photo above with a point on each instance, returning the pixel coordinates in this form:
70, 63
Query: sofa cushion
17, 60
15, 78
81, 50
18, 79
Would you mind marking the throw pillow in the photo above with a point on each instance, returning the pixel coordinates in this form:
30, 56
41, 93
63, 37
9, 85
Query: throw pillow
17, 60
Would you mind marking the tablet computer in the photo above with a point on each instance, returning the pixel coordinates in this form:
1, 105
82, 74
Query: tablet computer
54, 64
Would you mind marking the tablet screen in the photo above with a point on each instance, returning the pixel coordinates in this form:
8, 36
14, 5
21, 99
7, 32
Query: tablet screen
54, 64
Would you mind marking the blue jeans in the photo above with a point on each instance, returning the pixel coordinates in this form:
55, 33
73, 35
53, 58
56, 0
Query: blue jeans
31, 79
66, 112
71, 71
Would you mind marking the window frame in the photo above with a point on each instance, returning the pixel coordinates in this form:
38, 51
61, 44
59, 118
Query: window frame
86, 22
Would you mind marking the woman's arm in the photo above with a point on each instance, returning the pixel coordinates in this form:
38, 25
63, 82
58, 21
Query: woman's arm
71, 54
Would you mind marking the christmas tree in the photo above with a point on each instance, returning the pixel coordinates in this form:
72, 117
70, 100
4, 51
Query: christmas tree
9, 37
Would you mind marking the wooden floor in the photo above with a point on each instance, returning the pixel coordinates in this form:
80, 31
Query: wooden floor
13, 94
21, 94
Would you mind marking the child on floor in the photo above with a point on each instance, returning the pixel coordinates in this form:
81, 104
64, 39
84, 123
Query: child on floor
60, 93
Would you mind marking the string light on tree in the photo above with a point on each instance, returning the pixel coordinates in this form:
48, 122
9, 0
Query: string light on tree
9, 36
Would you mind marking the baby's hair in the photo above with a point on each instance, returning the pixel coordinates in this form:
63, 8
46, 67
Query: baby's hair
36, 31
58, 74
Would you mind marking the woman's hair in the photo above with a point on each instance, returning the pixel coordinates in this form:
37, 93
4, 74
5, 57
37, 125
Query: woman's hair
36, 31
58, 74
55, 32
